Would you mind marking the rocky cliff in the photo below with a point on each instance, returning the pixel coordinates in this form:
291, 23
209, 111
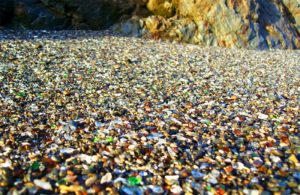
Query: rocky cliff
69, 14
230, 23
258, 24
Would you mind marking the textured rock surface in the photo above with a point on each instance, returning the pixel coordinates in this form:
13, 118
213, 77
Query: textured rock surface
293, 8
166, 8
231, 23
258, 24
76, 14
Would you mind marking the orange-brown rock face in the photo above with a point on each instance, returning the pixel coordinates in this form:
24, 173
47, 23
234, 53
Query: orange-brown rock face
230, 23
293, 10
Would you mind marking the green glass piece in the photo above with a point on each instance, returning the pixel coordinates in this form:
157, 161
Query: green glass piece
134, 180
35, 166
21, 94
96, 139
109, 139
208, 122
75, 161
62, 181
66, 75
208, 188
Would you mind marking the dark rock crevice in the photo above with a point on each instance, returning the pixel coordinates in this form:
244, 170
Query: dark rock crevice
63, 14
6, 12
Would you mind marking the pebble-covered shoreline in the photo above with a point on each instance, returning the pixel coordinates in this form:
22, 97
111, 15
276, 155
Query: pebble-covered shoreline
88, 112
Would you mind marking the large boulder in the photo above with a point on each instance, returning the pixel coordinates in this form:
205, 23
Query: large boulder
6, 11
